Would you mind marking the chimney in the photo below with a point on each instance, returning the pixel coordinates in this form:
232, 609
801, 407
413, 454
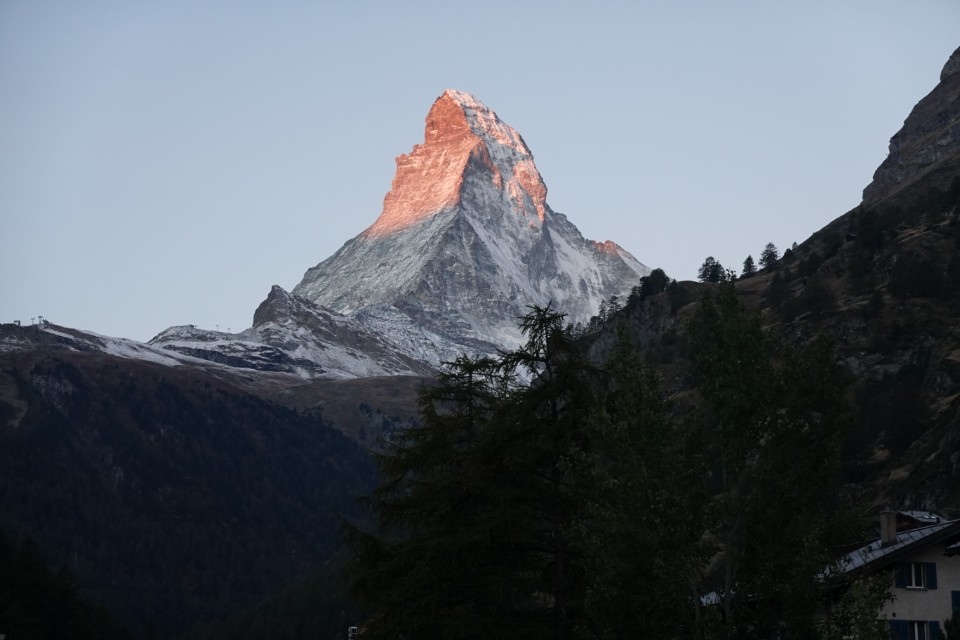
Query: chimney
888, 527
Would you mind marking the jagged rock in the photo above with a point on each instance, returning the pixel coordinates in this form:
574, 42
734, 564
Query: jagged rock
928, 144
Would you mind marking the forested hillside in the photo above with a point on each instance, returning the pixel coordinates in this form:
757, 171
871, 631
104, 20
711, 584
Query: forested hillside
174, 497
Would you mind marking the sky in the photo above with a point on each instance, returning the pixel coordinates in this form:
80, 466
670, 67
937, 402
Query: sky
166, 163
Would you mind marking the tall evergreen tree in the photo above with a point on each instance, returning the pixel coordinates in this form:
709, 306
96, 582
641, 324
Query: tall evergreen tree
749, 267
534, 445
769, 256
474, 518
430, 568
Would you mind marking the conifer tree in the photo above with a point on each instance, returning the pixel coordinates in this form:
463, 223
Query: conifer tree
749, 267
475, 514
426, 570
711, 271
769, 256
535, 444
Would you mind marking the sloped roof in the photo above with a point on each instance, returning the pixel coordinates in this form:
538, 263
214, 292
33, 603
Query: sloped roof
875, 554
927, 517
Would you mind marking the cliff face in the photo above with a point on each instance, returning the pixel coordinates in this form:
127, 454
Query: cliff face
928, 144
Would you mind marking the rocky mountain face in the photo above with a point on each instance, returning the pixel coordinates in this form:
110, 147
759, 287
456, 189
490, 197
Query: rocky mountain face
882, 282
928, 145
465, 243
466, 240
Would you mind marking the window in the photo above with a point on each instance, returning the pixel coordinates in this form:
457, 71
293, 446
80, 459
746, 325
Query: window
916, 575
916, 630
916, 579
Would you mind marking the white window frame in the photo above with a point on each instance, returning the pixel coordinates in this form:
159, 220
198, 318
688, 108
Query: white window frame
917, 571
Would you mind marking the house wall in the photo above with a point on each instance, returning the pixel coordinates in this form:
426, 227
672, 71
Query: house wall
927, 604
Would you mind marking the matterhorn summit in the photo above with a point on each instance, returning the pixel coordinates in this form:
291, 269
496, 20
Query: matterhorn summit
465, 244
466, 240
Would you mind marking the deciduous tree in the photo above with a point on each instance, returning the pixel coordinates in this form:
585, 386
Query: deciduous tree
773, 424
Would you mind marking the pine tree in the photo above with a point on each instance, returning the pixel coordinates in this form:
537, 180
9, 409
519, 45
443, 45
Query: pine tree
749, 268
712, 271
769, 256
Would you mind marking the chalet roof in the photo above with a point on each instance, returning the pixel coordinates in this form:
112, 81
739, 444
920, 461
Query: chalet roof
927, 517
876, 554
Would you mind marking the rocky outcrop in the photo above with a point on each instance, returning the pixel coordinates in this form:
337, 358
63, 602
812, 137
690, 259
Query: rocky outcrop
928, 145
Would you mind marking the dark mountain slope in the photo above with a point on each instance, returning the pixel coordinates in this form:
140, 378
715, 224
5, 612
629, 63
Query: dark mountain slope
174, 496
883, 282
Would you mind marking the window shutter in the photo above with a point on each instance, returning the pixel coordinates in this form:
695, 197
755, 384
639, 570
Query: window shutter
934, 630
900, 580
899, 630
931, 575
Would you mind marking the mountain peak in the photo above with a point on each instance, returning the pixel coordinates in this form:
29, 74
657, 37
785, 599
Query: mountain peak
465, 244
463, 140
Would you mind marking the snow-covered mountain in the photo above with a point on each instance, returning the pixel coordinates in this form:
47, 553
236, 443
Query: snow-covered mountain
465, 243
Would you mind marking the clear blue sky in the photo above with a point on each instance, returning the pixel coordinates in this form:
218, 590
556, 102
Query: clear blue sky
167, 162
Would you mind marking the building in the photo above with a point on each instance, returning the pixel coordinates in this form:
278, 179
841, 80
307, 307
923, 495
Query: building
922, 553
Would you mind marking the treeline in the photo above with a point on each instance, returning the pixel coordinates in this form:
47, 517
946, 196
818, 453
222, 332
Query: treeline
657, 281
545, 497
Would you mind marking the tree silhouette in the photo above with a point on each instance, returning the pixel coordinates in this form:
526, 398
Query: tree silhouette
769, 256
